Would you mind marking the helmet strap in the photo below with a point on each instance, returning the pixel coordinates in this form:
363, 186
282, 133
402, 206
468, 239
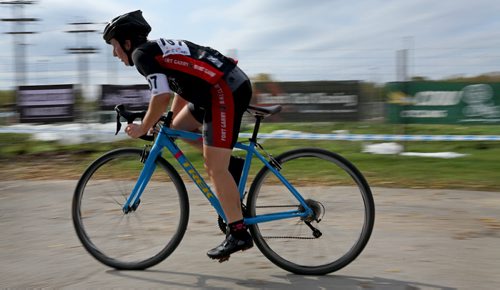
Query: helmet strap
133, 45
127, 52
129, 55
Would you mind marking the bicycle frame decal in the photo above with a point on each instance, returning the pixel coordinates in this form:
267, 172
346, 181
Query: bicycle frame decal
187, 165
200, 182
195, 176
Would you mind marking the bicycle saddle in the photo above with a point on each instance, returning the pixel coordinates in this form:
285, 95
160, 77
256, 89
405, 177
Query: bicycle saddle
263, 111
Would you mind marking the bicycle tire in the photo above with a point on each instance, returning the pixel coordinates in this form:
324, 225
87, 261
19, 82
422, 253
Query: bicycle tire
96, 207
290, 243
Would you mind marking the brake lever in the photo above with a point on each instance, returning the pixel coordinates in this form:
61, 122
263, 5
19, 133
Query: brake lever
130, 117
122, 112
118, 123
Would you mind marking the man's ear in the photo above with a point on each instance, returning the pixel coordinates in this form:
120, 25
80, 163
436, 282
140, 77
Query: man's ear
127, 45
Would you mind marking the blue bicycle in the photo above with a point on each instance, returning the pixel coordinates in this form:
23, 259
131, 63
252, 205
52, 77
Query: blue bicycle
310, 211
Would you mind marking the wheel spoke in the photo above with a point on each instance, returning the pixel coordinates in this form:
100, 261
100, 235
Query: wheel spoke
342, 212
139, 239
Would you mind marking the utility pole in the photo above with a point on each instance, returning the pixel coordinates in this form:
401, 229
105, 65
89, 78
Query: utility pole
402, 65
404, 61
18, 33
82, 49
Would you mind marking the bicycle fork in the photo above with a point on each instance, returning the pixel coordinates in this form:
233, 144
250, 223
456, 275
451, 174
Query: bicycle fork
133, 199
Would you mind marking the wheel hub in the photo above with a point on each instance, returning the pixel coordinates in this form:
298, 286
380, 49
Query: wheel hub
318, 210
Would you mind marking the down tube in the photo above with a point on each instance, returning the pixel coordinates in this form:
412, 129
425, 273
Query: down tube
277, 215
196, 177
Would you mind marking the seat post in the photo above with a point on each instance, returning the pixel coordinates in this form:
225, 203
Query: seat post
256, 128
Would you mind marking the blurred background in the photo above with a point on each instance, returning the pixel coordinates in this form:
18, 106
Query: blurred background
408, 91
414, 67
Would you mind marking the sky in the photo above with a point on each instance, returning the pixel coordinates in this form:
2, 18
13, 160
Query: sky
289, 39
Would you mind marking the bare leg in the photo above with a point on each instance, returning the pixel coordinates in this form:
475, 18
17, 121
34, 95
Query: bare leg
237, 236
216, 163
185, 121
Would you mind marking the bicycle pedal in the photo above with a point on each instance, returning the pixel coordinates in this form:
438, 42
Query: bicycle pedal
223, 259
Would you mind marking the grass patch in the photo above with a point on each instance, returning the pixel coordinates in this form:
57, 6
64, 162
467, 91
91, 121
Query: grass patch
23, 157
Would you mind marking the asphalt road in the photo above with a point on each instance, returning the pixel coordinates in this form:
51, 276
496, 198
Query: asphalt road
423, 239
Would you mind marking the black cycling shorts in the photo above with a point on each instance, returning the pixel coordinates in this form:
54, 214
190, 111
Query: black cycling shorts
221, 118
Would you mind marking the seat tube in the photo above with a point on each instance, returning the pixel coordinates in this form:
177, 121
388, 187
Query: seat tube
246, 169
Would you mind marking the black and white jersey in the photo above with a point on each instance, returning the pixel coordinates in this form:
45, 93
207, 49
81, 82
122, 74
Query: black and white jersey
183, 67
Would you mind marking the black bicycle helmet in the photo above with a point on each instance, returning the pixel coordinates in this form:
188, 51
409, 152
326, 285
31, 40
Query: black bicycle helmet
130, 25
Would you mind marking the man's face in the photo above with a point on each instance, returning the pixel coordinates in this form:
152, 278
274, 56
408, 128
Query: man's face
119, 52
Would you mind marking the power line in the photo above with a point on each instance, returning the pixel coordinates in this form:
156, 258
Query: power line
19, 44
82, 49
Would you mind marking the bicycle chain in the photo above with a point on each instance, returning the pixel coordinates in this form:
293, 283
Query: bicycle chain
290, 237
284, 237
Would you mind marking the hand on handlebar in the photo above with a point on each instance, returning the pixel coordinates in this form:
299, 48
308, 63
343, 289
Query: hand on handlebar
135, 130
154, 130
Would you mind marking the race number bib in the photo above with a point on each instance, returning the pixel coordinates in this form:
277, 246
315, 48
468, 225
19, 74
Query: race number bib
158, 84
169, 46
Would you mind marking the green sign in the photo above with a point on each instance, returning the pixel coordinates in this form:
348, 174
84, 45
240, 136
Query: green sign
443, 102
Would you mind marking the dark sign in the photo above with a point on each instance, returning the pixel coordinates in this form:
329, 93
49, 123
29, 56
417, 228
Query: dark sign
46, 104
134, 97
310, 101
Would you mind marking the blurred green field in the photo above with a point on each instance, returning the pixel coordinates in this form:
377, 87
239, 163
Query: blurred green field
23, 157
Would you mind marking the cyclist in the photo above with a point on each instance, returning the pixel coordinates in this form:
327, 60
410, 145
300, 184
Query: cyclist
214, 93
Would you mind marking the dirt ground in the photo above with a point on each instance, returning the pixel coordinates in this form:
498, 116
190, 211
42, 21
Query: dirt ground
423, 239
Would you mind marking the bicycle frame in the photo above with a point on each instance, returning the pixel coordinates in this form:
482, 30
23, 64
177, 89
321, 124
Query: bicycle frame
166, 138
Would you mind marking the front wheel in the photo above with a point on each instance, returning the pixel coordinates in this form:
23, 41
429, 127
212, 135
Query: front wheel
342, 219
138, 239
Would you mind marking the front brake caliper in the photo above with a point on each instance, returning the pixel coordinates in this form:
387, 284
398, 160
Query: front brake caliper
145, 153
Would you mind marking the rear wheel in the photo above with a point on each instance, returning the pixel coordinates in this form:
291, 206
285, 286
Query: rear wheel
343, 212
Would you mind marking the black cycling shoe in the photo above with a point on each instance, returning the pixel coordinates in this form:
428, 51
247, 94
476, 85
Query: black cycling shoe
230, 245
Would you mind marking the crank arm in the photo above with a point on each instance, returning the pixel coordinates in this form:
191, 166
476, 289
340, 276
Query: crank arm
316, 233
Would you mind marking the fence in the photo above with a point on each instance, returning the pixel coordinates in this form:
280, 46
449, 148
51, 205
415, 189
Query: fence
407, 102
